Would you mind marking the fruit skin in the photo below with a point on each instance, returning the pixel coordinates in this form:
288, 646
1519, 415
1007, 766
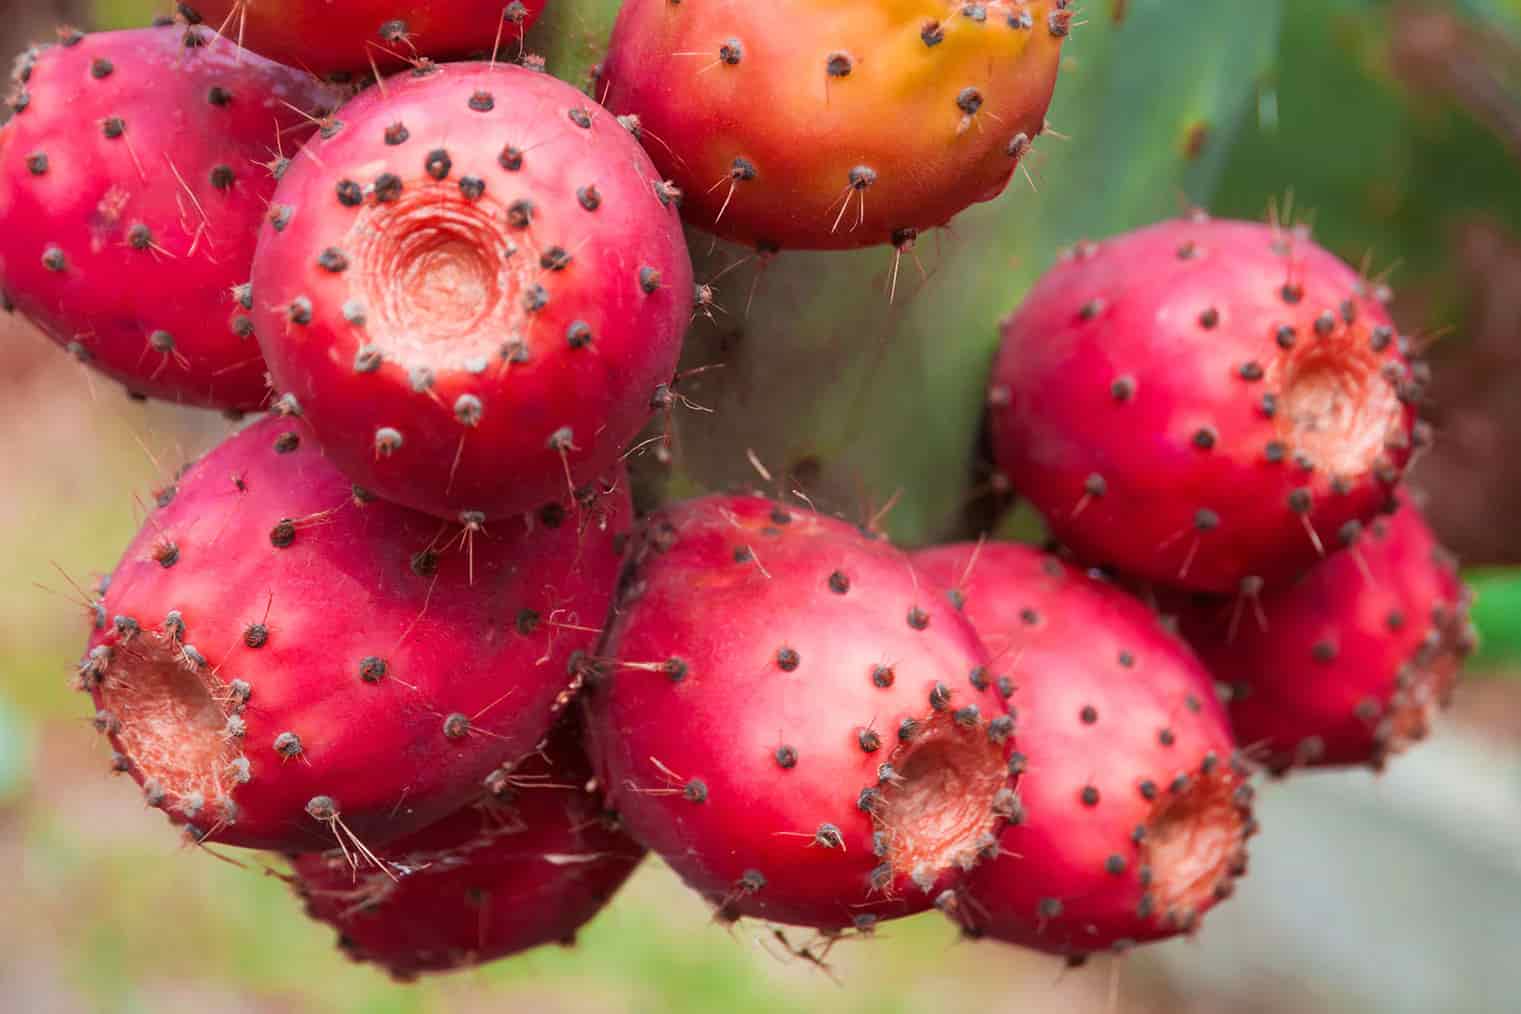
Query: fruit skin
1147, 401
280, 659
763, 662
340, 37
131, 190
1112, 710
489, 318
1349, 665
824, 124
528, 865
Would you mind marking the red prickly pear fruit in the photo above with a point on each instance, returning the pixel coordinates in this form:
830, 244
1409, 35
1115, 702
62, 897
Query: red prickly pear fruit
474, 288
530, 865
774, 119
1207, 404
1349, 665
804, 731
1133, 807
280, 659
338, 37
132, 182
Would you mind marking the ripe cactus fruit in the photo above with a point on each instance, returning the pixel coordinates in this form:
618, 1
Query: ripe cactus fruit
336, 37
770, 117
1349, 665
800, 728
531, 864
131, 190
476, 289
1208, 404
280, 659
1133, 809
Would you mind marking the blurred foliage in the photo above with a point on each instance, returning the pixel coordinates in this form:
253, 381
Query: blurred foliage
1382, 166
1499, 15
15, 751
127, 13
572, 36
1497, 614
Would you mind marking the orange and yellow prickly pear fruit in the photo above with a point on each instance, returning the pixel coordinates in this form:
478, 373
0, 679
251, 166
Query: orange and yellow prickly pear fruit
827, 124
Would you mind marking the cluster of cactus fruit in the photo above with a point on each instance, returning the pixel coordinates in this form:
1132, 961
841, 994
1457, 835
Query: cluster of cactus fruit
407, 628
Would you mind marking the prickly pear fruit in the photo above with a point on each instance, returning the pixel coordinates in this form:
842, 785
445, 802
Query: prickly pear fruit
476, 288
131, 192
1208, 404
803, 730
1134, 810
279, 659
531, 864
829, 125
337, 37
1349, 665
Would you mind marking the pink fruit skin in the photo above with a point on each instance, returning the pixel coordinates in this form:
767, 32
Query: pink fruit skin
464, 353
755, 646
526, 867
1348, 665
312, 653
131, 195
333, 36
1107, 701
1128, 403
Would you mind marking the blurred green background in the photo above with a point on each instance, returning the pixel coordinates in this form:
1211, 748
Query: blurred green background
1394, 127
